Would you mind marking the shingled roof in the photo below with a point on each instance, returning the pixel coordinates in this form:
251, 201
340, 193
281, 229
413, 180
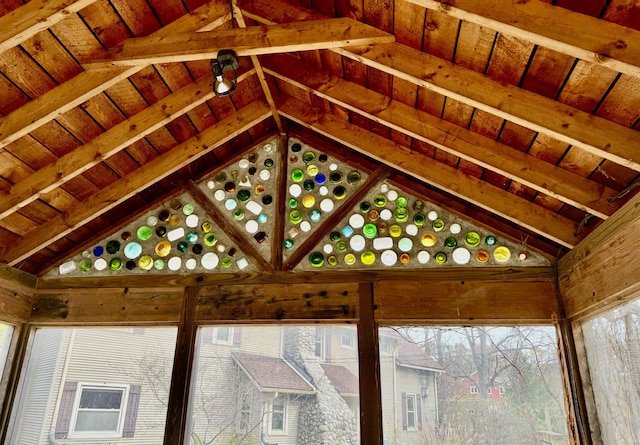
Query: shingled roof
272, 374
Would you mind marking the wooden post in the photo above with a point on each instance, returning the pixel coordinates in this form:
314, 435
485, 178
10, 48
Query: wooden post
175, 428
20, 345
370, 399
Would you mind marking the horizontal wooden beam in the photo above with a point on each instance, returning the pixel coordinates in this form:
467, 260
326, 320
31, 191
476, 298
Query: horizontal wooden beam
444, 300
249, 41
136, 181
281, 302
37, 15
577, 35
520, 211
514, 164
462, 302
594, 134
16, 291
522, 274
85, 85
107, 306
603, 270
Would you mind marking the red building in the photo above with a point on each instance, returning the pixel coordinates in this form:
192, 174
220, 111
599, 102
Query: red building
469, 387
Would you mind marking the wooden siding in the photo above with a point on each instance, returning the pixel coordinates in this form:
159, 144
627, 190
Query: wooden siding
98, 356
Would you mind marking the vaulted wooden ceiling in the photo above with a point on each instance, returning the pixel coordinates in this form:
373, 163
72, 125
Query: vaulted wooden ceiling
521, 116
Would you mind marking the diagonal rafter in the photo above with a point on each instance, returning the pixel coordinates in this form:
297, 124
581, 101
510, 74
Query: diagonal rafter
236, 236
565, 31
106, 145
488, 153
520, 211
378, 175
261, 77
562, 122
85, 85
37, 15
150, 173
252, 40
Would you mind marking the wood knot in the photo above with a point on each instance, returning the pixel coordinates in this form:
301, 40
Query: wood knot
620, 44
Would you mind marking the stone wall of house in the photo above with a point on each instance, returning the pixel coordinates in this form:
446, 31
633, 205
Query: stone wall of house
325, 419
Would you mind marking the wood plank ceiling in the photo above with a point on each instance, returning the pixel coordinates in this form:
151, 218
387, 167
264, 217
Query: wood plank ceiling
521, 116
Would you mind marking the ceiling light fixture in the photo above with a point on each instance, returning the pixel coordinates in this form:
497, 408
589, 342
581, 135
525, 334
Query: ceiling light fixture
226, 60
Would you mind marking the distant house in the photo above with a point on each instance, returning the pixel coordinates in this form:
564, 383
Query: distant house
252, 385
470, 387
409, 389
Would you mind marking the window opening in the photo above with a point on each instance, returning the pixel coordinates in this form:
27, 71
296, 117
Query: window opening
612, 348
282, 384
501, 383
98, 385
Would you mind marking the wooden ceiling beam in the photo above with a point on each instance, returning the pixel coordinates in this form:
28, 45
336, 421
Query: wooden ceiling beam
596, 135
58, 101
86, 85
37, 15
488, 153
145, 176
261, 77
252, 40
577, 35
520, 211
106, 145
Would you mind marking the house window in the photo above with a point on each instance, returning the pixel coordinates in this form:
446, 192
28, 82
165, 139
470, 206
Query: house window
221, 335
347, 339
489, 390
501, 389
385, 346
99, 411
319, 343
473, 389
411, 411
278, 421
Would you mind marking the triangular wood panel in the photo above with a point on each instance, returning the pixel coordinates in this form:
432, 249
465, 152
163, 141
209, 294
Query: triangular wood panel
317, 186
177, 237
391, 228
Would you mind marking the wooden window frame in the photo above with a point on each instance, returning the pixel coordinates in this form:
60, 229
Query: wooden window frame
282, 298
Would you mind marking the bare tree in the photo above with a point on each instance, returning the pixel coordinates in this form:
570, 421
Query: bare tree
518, 359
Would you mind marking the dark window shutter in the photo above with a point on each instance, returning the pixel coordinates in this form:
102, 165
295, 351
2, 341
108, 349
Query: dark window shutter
207, 335
237, 337
418, 411
66, 409
404, 410
327, 343
132, 411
